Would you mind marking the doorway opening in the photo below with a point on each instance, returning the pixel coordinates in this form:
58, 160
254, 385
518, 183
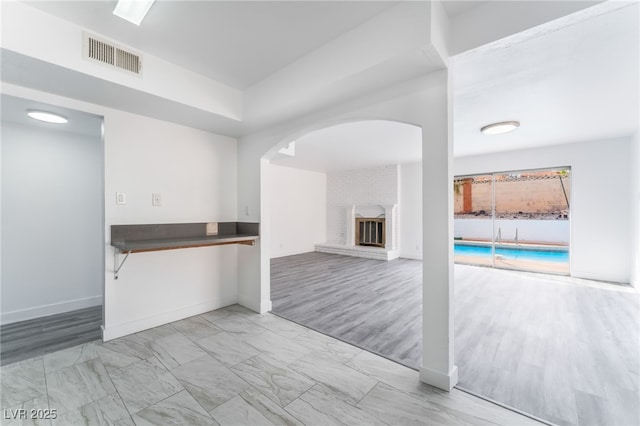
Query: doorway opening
52, 229
514, 220
345, 235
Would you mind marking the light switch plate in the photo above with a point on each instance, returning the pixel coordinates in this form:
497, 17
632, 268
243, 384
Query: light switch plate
121, 198
212, 228
156, 199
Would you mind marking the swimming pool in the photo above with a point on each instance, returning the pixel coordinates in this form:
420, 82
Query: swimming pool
519, 253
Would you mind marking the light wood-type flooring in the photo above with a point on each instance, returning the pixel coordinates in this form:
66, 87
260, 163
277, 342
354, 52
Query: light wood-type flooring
561, 349
36, 337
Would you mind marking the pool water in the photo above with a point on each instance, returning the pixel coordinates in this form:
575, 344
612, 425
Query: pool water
513, 253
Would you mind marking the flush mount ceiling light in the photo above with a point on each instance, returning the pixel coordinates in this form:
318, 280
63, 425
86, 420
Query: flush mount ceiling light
133, 11
500, 128
48, 117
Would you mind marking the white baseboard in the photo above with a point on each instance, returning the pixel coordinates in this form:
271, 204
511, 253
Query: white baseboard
414, 256
440, 380
247, 302
619, 279
261, 308
124, 329
291, 252
51, 309
265, 307
358, 251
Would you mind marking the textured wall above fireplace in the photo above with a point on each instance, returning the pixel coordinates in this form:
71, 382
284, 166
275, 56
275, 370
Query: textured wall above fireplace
367, 193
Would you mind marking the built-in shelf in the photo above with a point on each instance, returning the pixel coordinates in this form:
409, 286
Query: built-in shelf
128, 239
179, 243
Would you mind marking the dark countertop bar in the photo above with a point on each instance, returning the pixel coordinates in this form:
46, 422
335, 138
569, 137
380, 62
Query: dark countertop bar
178, 243
143, 238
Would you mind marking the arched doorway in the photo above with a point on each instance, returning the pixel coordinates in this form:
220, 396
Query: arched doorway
424, 102
345, 221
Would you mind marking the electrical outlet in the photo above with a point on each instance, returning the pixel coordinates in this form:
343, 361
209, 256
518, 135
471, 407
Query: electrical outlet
246, 210
156, 200
212, 228
121, 198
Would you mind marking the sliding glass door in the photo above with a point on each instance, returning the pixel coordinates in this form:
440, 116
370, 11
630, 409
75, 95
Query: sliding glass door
514, 220
473, 226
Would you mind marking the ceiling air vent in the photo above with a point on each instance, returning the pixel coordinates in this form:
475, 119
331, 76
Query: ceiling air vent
112, 55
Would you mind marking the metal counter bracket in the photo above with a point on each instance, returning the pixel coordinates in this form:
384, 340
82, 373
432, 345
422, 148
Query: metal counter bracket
116, 267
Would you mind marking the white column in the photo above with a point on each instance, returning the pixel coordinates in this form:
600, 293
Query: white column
438, 367
246, 254
350, 229
390, 219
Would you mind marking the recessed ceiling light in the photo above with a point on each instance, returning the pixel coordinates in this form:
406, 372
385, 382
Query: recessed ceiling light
49, 117
133, 11
500, 128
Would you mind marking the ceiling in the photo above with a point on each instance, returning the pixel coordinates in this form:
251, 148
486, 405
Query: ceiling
14, 110
572, 80
238, 43
357, 145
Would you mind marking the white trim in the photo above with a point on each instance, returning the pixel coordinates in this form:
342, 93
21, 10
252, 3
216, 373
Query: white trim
417, 256
266, 306
51, 309
366, 252
124, 329
619, 279
441, 381
245, 301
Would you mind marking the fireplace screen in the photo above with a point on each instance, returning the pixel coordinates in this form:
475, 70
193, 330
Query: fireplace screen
370, 231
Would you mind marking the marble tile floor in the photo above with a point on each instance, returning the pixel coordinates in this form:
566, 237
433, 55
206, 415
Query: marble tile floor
230, 367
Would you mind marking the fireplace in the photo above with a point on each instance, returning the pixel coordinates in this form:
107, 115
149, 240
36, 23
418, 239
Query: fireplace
370, 231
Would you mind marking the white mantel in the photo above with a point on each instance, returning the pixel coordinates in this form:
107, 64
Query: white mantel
391, 249
388, 212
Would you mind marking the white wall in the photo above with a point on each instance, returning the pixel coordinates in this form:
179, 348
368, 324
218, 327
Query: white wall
398, 184
51, 221
298, 210
600, 188
411, 211
196, 173
634, 165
